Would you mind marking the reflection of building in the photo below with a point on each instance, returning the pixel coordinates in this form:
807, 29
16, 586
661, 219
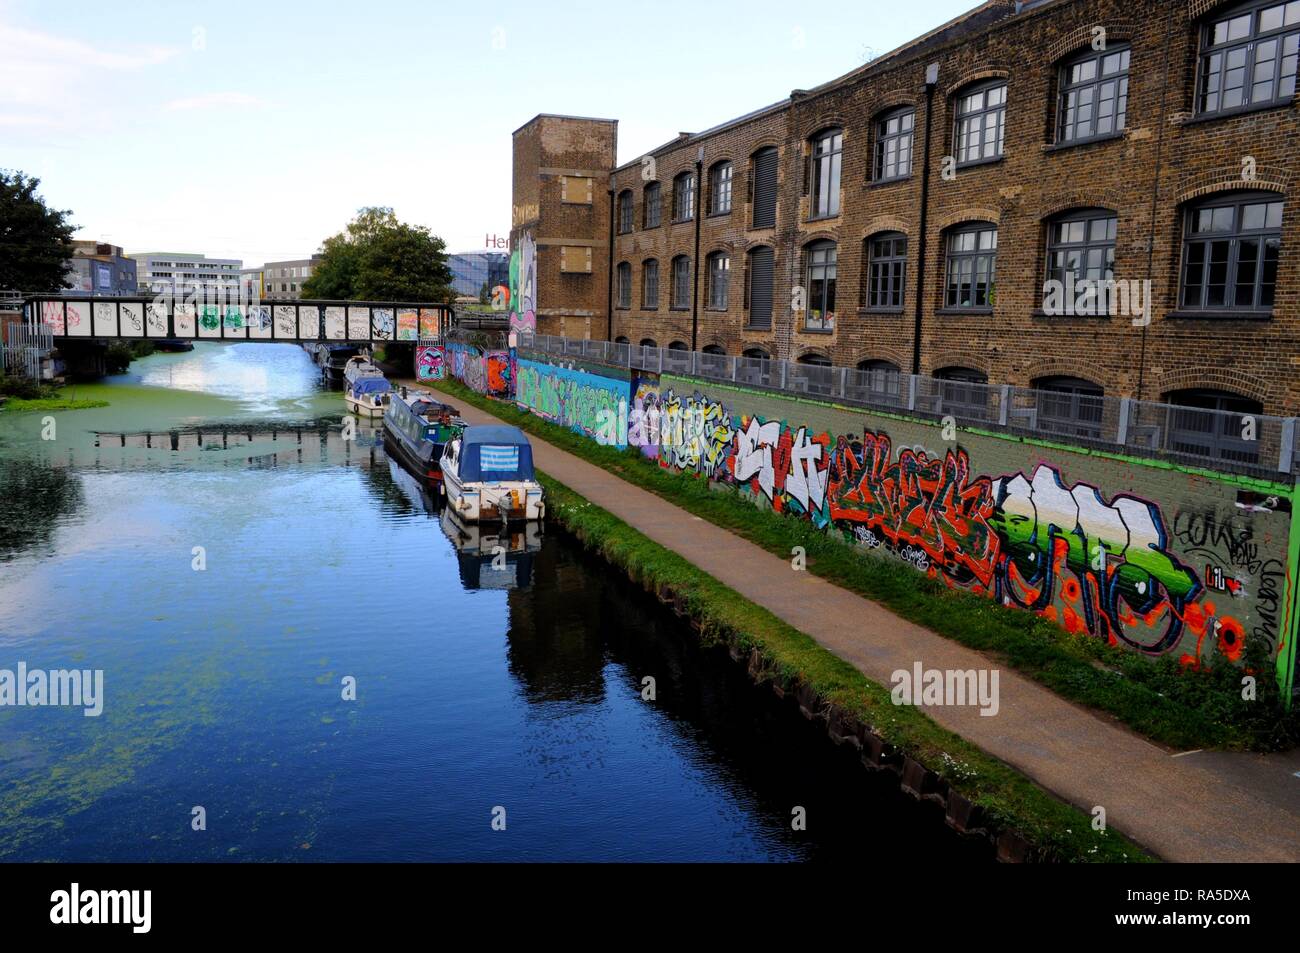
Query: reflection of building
284, 279
471, 270
179, 273
100, 268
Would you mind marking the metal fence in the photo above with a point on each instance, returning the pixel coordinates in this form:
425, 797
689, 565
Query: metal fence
1252, 444
24, 350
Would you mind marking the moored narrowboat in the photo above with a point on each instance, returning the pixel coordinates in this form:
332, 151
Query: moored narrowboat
417, 428
488, 474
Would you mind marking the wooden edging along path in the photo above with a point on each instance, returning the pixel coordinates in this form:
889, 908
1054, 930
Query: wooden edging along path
1171, 806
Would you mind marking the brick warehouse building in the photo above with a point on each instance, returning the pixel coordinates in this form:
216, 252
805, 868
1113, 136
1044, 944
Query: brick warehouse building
904, 217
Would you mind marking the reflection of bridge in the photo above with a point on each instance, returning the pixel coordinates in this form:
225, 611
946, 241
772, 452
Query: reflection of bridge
71, 319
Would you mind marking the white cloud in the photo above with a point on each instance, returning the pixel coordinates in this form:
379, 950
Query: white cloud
214, 101
47, 48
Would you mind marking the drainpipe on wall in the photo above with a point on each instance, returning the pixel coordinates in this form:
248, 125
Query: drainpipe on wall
609, 268
931, 81
699, 215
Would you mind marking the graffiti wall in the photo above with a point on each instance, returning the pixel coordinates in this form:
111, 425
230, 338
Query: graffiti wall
1162, 562
429, 362
487, 372
588, 403
523, 284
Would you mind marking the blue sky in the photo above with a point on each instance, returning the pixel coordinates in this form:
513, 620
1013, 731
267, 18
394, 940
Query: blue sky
255, 130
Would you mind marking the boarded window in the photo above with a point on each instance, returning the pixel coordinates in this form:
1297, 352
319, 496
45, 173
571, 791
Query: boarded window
574, 258
575, 189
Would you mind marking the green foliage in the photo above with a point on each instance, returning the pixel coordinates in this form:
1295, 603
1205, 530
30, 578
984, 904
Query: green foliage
378, 258
484, 295
35, 240
1180, 708
120, 354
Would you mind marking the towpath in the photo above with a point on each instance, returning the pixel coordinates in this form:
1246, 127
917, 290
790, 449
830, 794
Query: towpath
1180, 806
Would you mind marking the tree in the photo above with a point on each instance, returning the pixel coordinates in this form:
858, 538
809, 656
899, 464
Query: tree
484, 295
35, 240
378, 258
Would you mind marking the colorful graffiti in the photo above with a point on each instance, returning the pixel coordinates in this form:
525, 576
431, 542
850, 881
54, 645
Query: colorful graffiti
586, 403
485, 372
523, 284
429, 364
643, 418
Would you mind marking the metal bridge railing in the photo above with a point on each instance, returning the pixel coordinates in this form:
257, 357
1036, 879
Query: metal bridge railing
1252, 444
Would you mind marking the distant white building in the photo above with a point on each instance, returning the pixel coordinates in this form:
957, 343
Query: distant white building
284, 279
179, 274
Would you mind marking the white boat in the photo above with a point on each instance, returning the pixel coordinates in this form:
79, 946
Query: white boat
359, 366
488, 475
365, 389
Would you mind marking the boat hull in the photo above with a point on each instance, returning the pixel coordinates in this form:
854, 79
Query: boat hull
494, 502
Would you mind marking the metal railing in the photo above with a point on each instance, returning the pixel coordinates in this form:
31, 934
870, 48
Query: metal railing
24, 350
1252, 444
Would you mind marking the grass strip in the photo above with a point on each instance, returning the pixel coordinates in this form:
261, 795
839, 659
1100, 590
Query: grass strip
1158, 698
1057, 831
19, 405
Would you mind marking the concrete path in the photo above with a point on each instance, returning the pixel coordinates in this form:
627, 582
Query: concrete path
1175, 808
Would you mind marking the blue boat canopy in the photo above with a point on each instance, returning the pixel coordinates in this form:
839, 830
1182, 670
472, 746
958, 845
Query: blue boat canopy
371, 385
495, 454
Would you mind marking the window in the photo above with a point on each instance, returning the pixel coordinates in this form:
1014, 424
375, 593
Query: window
1069, 405
621, 340
827, 153
763, 182
886, 271
972, 256
717, 349
1080, 248
720, 189
756, 354
624, 212
719, 277
681, 290
1230, 253
894, 144
650, 285
648, 342
1248, 57
684, 197
814, 360
652, 206
821, 286
981, 123
759, 289
623, 285
1213, 425
1093, 102
963, 392
880, 378
678, 346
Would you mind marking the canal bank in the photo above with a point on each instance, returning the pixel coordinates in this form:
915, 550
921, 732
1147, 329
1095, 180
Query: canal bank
1166, 802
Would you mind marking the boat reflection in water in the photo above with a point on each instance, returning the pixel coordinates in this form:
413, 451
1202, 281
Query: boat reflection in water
488, 555
493, 556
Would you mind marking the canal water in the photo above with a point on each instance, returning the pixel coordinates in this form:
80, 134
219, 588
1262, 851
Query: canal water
232, 564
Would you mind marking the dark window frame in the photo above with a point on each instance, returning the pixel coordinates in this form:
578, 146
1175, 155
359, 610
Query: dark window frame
829, 282
826, 159
1070, 405
625, 212
974, 256
1235, 237
1208, 74
623, 286
679, 283
964, 125
1195, 428
711, 276
684, 195
652, 199
721, 187
1058, 246
649, 267
885, 138
885, 274
1095, 85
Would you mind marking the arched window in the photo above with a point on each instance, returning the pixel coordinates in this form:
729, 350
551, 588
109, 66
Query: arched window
981, 122
649, 342
684, 197
652, 206
679, 346
813, 359
625, 211
719, 277
1248, 57
963, 392
756, 354
886, 256
763, 180
720, 189
825, 160
879, 378
894, 144
681, 290
717, 349
1213, 424
650, 284
821, 273
623, 285
761, 274
1231, 245
621, 340
1093, 97
1069, 405
1080, 257
972, 251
